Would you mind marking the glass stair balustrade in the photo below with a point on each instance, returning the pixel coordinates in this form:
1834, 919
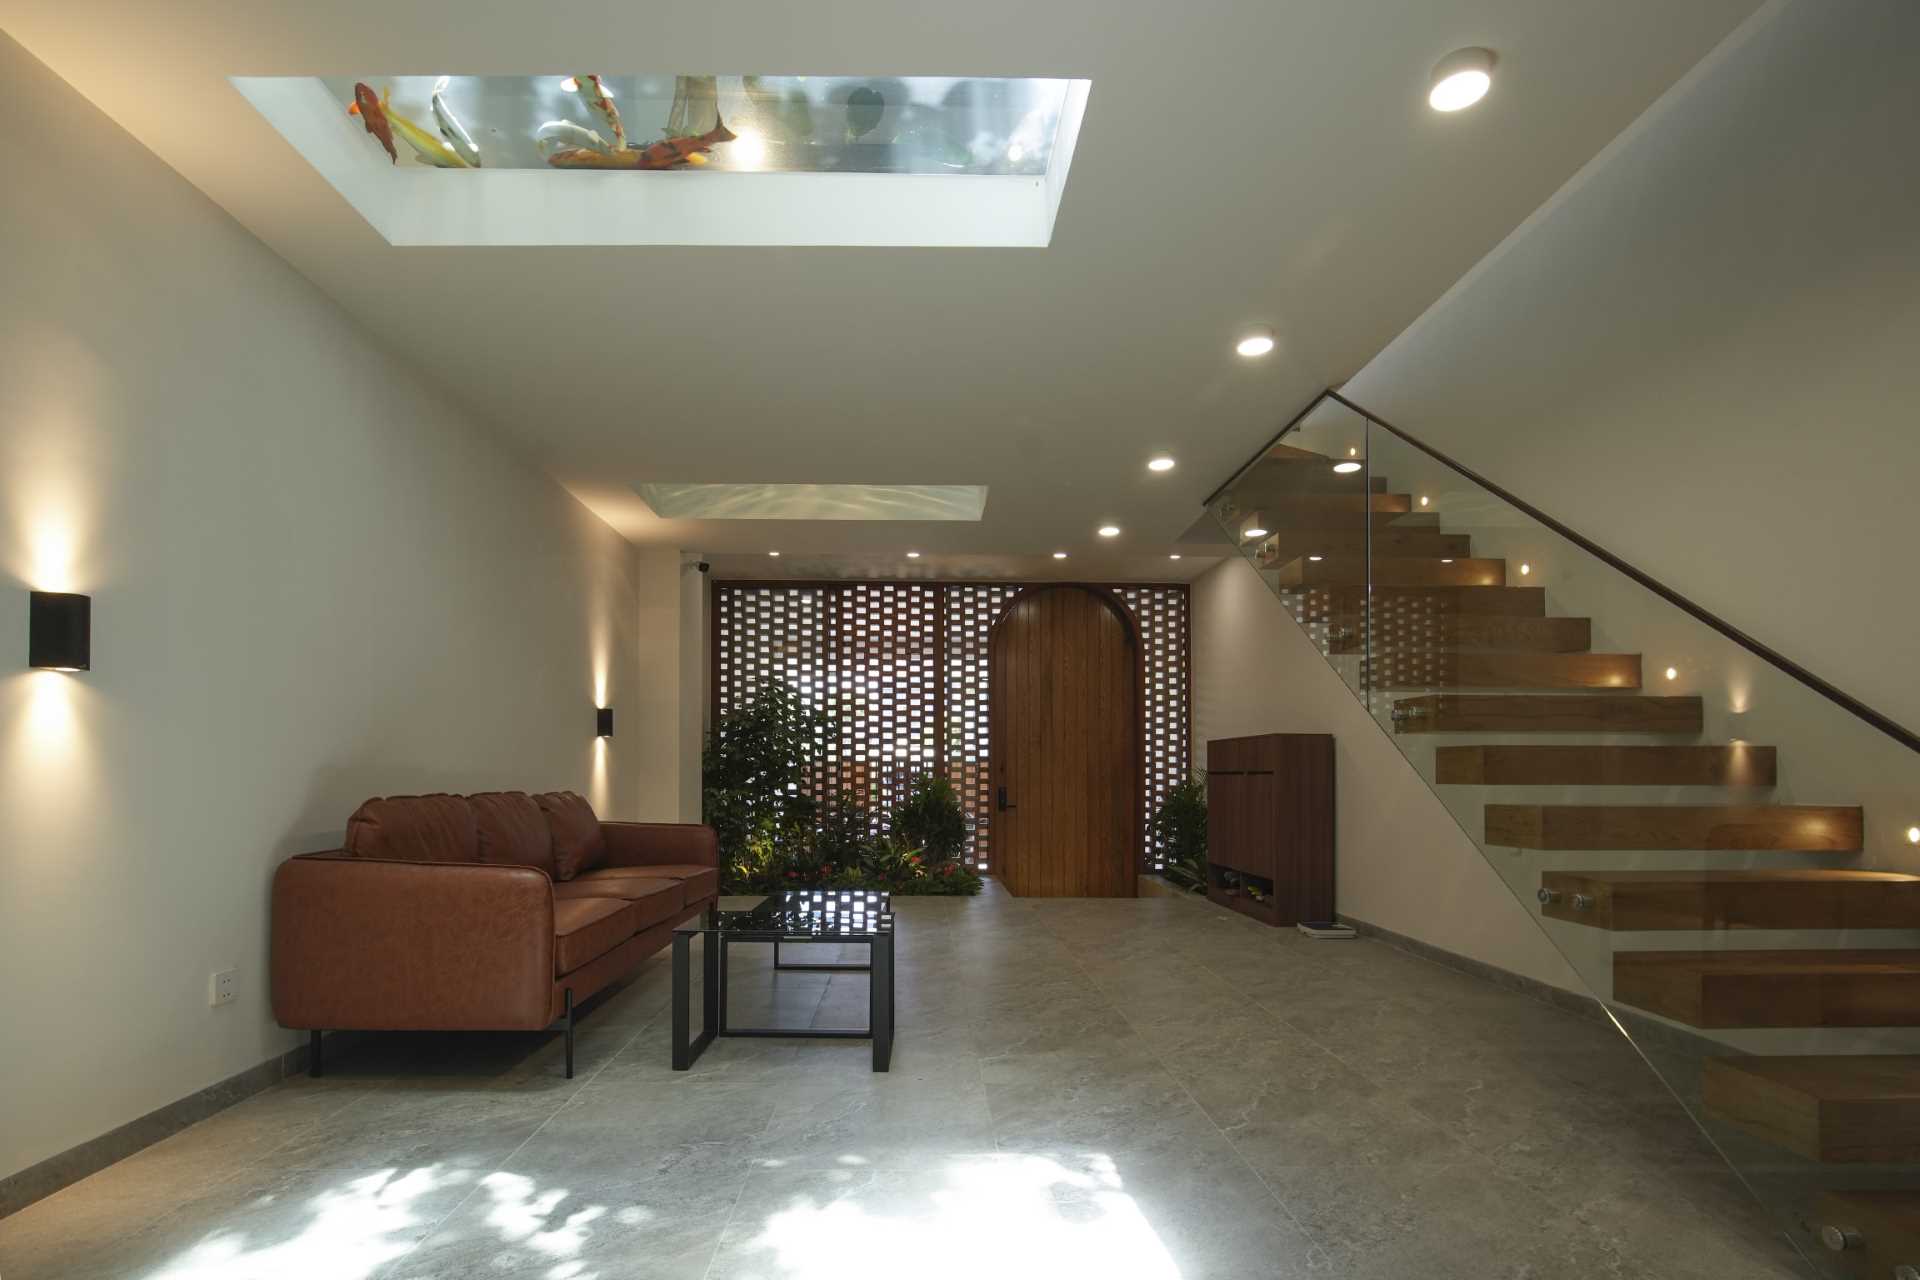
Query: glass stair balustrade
1717, 842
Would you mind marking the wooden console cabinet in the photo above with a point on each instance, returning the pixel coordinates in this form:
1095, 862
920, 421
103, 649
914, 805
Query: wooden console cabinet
1270, 824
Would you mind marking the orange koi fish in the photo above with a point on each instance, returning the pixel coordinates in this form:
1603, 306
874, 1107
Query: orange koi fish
374, 116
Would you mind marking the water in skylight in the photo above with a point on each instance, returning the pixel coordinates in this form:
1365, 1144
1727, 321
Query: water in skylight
655, 123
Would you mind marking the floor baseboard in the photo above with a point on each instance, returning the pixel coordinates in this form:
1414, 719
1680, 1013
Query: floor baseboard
1645, 1030
38, 1181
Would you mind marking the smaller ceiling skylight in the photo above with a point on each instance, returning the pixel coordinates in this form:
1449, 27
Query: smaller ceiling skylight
815, 501
591, 158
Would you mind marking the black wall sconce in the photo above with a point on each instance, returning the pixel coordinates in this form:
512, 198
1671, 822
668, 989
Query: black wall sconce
60, 632
603, 721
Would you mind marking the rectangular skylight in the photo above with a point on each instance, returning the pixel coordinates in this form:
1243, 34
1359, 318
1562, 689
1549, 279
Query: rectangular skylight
815, 501
658, 159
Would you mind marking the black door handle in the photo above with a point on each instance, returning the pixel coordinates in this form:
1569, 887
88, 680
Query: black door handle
1000, 801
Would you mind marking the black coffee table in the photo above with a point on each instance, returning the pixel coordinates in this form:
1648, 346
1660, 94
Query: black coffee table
801, 915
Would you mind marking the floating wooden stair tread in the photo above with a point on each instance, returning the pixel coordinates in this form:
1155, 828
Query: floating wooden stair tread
1290, 544
1719, 990
1547, 713
1804, 828
1282, 509
1469, 634
1429, 669
1540, 765
1333, 569
1839, 1108
1786, 898
1400, 606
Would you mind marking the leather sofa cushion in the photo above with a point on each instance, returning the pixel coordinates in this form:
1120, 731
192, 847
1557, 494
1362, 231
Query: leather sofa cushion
577, 842
513, 830
654, 897
435, 828
698, 882
585, 929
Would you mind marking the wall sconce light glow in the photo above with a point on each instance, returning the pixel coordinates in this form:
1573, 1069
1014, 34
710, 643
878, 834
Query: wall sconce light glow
1461, 79
59, 631
1673, 673
1161, 463
1913, 835
1525, 569
1257, 342
1423, 499
1109, 530
1059, 555
1346, 468
603, 722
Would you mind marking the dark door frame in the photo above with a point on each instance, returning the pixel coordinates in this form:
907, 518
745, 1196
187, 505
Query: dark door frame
1137, 789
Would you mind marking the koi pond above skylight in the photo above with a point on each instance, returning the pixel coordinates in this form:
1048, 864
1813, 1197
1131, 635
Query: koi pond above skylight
661, 159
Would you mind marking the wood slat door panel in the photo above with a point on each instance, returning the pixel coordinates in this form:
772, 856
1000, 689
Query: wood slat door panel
1065, 693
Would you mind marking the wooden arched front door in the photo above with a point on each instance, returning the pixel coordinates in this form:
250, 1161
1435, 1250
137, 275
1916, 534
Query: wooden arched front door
1064, 717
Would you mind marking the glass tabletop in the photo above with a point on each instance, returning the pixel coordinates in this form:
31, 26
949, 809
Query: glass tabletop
816, 913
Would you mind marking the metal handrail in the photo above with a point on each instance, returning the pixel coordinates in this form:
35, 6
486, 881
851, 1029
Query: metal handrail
1839, 697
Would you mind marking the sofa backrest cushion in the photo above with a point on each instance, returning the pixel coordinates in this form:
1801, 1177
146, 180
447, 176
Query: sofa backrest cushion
513, 830
436, 828
577, 843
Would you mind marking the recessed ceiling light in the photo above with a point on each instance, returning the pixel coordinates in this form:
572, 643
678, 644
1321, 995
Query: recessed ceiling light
1059, 555
1446, 560
1346, 468
1913, 835
1255, 532
1461, 79
1174, 556
774, 554
1257, 342
913, 555
1109, 530
1161, 463
1316, 557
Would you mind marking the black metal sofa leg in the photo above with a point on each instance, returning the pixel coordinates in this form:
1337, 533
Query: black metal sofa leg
569, 1018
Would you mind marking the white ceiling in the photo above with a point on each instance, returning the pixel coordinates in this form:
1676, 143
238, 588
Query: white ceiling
1271, 161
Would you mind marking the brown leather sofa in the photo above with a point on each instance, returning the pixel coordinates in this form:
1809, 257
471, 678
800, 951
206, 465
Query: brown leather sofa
493, 912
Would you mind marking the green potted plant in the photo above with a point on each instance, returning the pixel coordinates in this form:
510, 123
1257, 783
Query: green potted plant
1180, 833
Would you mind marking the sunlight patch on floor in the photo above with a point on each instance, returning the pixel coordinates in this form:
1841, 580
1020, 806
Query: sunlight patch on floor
1006, 1216
353, 1229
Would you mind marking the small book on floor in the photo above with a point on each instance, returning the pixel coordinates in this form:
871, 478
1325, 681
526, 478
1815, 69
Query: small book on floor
1325, 929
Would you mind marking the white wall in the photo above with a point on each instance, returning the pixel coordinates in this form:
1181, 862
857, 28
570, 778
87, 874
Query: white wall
1402, 861
1701, 353
314, 580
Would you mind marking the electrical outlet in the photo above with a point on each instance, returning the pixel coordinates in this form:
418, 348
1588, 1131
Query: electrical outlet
224, 983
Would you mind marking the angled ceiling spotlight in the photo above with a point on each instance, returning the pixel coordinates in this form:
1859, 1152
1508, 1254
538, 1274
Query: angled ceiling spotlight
1461, 79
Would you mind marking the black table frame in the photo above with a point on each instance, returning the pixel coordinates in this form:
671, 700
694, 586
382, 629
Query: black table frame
713, 990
